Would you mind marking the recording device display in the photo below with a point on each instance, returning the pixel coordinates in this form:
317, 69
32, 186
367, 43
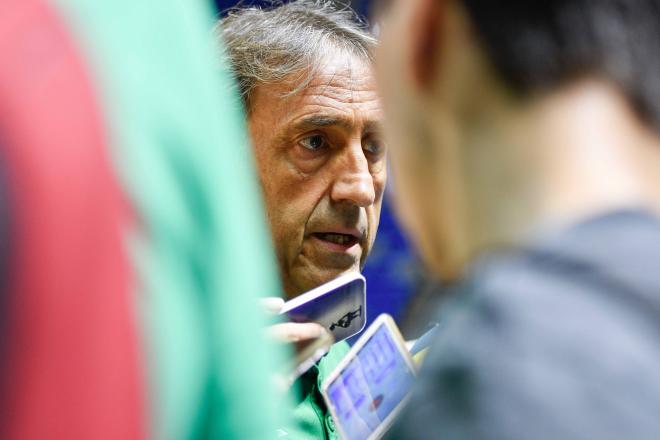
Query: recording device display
371, 385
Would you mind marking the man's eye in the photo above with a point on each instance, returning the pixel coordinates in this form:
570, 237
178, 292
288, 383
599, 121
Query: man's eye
373, 146
313, 143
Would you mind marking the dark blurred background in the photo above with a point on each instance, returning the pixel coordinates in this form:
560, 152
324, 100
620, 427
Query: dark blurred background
359, 5
392, 271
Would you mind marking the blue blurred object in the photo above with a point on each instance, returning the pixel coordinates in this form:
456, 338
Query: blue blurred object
391, 271
222, 5
361, 6
425, 341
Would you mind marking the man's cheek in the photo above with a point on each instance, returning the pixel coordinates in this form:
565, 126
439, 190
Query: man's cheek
293, 232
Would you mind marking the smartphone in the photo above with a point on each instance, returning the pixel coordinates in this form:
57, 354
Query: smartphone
340, 306
371, 385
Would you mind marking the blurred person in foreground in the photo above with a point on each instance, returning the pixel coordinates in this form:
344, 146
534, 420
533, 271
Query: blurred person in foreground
305, 74
195, 237
524, 141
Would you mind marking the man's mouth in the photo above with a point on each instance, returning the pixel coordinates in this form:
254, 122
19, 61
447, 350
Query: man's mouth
346, 240
335, 248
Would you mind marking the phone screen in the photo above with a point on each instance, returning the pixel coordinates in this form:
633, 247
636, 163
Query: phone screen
372, 386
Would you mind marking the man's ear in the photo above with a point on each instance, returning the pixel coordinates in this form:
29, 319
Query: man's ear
426, 27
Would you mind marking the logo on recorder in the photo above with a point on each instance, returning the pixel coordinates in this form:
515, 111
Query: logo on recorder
346, 320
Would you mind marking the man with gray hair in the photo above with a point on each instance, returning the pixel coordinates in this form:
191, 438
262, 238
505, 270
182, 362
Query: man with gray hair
305, 75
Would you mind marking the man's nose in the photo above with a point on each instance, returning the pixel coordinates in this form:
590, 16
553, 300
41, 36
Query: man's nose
354, 183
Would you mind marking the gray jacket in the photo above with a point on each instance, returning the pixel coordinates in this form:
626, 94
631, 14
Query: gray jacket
557, 341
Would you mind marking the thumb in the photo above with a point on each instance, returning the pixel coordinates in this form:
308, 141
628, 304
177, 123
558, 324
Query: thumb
272, 304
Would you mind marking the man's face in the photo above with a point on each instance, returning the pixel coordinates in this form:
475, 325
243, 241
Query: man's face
322, 167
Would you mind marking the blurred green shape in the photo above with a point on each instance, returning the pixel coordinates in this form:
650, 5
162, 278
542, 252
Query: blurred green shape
199, 243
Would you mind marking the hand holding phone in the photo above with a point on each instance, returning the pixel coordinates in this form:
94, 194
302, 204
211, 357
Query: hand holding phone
331, 312
311, 342
289, 331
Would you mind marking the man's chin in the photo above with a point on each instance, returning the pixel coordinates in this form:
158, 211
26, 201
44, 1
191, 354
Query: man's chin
309, 279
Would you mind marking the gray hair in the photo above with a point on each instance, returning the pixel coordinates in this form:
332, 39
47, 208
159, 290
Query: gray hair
285, 42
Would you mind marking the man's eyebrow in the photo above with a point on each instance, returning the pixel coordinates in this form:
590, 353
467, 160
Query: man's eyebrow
322, 121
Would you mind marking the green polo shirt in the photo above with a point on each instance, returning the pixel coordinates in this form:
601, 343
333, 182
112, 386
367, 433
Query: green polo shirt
311, 417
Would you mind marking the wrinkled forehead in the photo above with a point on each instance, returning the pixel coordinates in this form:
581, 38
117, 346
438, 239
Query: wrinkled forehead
343, 76
341, 87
